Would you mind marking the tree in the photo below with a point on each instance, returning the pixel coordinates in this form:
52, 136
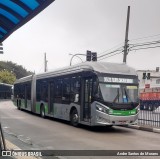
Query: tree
18, 70
7, 77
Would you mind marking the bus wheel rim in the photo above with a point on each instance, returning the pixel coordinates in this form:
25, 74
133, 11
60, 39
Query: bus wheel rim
75, 118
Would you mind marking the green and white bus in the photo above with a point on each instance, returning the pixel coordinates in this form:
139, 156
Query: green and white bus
90, 93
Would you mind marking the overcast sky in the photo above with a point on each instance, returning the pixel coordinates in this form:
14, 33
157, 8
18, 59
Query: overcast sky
74, 26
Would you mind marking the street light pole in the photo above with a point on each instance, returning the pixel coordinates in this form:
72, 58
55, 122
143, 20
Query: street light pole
45, 63
76, 56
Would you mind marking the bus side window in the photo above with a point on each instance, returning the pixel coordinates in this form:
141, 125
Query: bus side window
29, 91
41, 91
75, 90
44, 92
22, 92
38, 90
66, 90
58, 91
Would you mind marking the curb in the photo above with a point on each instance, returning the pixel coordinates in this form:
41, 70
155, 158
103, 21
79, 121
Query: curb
149, 129
133, 126
156, 130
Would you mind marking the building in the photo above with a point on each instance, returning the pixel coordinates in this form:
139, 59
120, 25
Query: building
149, 78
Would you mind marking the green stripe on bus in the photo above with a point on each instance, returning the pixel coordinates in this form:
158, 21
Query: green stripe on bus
38, 107
15, 102
22, 103
122, 112
46, 107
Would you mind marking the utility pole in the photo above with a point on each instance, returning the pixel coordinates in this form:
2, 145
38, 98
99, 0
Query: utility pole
126, 37
45, 62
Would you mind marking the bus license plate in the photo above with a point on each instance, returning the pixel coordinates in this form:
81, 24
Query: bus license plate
122, 122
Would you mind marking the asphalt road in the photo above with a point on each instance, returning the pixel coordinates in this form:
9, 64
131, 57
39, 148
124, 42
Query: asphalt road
52, 134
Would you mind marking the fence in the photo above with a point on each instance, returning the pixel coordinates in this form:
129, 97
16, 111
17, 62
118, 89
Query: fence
149, 117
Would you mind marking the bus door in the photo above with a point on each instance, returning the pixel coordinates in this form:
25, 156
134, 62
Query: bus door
27, 95
51, 98
86, 104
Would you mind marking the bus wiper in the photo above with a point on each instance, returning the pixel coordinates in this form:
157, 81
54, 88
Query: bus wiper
117, 96
127, 96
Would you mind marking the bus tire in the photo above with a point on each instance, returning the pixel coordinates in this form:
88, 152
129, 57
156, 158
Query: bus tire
108, 126
19, 104
74, 118
42, 111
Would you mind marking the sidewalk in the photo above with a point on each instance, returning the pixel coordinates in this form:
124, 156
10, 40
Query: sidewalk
23, 148
145, 128
10, 146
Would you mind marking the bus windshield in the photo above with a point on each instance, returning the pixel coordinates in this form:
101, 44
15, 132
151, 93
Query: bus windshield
117, 93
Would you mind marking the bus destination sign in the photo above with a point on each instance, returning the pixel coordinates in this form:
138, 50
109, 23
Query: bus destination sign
118, 80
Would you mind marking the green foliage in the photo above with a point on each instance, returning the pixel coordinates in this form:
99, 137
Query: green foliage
7, 77
18, 70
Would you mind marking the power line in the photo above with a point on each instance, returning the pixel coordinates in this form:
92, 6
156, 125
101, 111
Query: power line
146, 43
137, 46
110, 55
119, 49
132, 47
120, 44
144, 48
152, 44
147, 37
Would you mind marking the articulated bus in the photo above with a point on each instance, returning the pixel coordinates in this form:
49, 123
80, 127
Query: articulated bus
90, 93
6, 91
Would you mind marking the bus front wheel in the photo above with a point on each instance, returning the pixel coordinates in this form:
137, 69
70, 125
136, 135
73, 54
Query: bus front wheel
74, 117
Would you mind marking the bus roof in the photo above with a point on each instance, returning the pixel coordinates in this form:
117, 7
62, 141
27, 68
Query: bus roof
97, 67
24, 79
5, 84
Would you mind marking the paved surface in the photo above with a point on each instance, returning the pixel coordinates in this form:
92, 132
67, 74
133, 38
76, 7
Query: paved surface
145, 128
30, 132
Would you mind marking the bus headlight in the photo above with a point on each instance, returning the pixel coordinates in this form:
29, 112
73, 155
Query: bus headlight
102, 109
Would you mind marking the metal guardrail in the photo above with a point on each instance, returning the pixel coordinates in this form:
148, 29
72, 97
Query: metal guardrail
149, 117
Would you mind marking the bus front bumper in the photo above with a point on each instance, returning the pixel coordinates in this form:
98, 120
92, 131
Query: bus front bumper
105, 119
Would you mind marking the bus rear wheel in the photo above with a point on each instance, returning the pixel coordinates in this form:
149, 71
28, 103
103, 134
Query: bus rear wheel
42, 111
74, 117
